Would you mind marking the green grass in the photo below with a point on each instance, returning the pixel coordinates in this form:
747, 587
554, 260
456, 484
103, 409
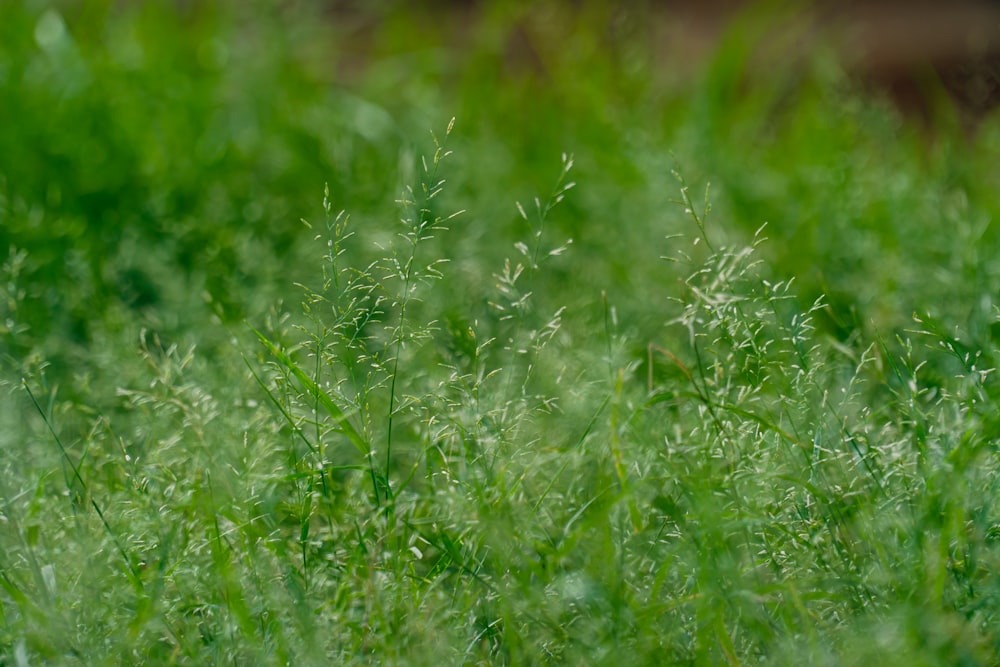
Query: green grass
290, 379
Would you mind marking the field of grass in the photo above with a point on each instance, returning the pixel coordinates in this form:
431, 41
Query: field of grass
395, 337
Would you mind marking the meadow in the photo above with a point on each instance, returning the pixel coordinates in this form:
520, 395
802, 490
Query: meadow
386, 336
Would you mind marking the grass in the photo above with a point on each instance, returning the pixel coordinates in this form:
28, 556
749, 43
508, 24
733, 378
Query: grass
448, 420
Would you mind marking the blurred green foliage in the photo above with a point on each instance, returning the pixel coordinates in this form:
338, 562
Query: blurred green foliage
158, 156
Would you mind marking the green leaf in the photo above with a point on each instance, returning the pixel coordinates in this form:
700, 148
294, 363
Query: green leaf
339, 417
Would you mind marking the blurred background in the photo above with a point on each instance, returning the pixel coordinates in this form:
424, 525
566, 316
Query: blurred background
900, 47
157, 158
